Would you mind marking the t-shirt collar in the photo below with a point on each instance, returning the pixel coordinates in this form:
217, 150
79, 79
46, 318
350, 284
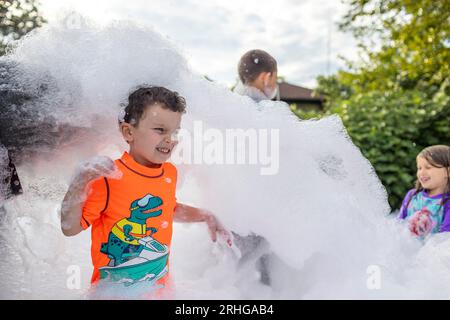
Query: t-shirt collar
129, 162
437, 196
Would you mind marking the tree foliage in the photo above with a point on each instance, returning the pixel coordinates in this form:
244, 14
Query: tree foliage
17, 18
394, 101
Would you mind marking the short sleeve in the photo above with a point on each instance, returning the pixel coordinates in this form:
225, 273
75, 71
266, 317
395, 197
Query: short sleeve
173, 175
96, 202
176, 182
445, 226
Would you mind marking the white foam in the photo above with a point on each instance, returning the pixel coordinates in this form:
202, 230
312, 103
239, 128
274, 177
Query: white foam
323, 214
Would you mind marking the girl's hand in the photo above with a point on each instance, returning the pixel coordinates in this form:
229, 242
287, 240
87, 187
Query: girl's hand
215, 227
421, 223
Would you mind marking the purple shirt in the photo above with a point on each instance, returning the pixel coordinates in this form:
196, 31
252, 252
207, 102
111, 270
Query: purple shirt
440, 214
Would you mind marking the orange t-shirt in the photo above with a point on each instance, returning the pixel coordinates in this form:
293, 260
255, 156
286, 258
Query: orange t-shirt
131, 221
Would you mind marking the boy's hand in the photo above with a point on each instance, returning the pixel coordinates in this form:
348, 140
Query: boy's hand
215, 227
71, 207
95, 168
185, 213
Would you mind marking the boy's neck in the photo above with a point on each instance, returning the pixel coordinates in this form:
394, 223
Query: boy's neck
144, 162
250, 91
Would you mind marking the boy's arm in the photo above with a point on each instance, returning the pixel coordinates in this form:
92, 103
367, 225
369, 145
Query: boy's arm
72, 207
185, 213
74, 200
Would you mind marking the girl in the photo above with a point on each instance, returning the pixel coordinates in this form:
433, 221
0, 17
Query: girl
427, 207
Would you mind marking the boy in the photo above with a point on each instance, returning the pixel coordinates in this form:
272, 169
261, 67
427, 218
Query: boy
131, 202
258, 76
258, 80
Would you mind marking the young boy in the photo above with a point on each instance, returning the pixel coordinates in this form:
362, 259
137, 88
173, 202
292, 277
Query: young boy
131, 202
258, 80
258, 76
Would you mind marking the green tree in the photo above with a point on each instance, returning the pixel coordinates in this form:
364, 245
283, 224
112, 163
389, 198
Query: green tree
394, 101
17, 18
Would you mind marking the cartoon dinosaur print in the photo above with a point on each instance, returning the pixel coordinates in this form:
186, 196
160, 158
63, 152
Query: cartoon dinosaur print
123, 239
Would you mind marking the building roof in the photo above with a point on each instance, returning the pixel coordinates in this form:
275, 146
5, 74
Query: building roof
292, 92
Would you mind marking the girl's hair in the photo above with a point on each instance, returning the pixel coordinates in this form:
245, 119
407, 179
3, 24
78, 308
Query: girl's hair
145, 96
253, 63
438, 156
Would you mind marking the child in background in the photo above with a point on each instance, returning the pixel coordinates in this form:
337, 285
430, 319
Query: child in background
257, 72
427, 207
130, 203
257, 76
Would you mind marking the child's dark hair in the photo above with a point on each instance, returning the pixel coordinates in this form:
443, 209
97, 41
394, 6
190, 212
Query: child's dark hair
253, 63
438, 156
145, 96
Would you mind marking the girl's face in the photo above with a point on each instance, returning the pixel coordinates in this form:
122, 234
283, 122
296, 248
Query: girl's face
431, 178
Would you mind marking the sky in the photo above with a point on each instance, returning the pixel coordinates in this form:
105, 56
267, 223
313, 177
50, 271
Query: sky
301, 34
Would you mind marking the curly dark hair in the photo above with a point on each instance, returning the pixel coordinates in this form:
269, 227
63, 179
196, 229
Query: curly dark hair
145, 96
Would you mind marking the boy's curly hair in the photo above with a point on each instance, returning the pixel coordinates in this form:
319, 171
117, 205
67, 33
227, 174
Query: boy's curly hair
145, 96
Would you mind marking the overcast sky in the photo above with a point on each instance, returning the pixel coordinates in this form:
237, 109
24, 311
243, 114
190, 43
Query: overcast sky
214, 34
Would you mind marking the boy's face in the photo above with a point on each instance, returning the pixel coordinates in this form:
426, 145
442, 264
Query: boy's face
270, 85
154, 138
271, 81
267, 83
